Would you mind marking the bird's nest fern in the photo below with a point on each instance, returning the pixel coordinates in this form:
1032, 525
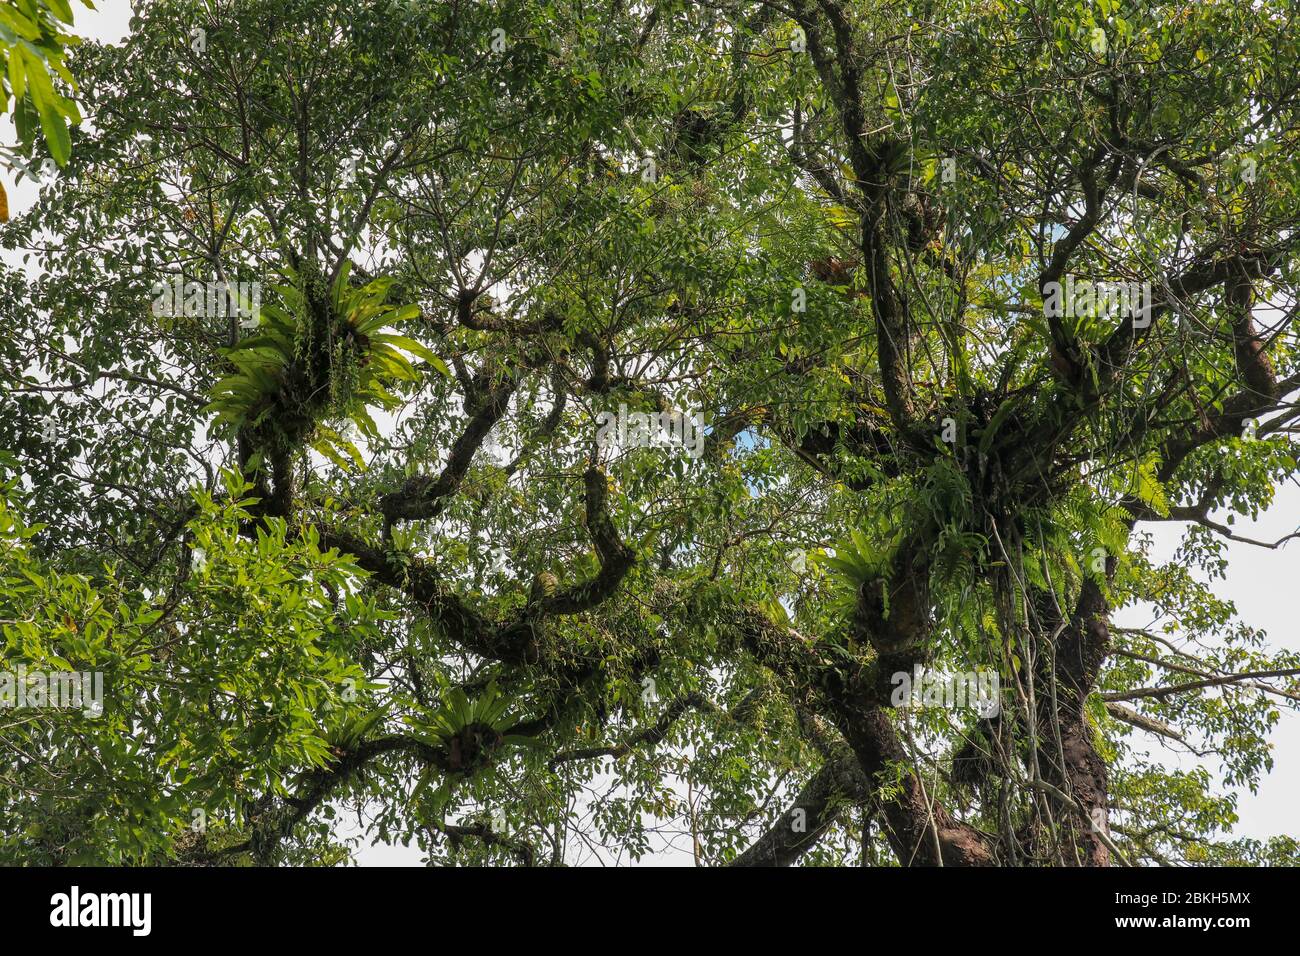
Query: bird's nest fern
319, 356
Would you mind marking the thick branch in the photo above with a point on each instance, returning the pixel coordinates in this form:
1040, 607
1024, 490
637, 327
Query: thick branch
839, 784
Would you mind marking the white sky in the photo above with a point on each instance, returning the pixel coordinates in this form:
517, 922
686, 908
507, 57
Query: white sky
1261, 583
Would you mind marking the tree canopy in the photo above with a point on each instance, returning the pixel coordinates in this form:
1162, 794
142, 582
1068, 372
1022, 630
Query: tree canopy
551, 429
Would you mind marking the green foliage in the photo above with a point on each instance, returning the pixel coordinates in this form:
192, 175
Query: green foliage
32, 45
364, 361
230, 684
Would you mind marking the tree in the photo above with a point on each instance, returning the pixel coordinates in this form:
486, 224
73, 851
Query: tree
400, 314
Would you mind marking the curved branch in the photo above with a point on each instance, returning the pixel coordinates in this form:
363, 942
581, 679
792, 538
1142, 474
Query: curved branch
650, 736
616, 558
839, 784
423, 496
